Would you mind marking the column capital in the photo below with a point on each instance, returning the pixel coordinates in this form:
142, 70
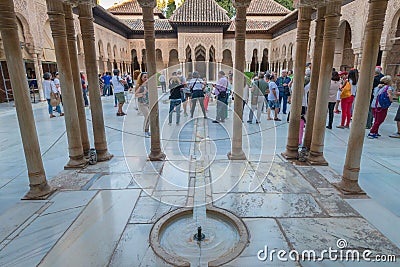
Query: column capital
77, 2
147, 3
241, 3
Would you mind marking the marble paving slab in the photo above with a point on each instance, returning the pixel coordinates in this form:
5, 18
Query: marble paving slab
314, 177
113, 181
32, 244
333, 204
115, 165
323, 233
284, 178
15, 216
97, 230
71, 180
64, 200
269, 205
149, 210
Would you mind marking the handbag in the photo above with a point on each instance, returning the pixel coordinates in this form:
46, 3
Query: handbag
54, 99
346, 91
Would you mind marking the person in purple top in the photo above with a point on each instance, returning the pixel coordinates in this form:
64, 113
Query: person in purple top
107, 84
221, 88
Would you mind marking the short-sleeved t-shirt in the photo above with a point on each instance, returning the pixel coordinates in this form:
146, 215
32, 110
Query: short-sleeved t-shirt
106, 79
118, 86
273, 88
57, 82
262, 85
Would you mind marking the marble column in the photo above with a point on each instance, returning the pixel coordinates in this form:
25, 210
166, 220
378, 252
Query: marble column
89, 47
240, 52
332, 18
303, 33
373, 31
149, 36
57, 23
39, 189
356, 60
38, 77
316, 64
385, 54
73, 56
248, 64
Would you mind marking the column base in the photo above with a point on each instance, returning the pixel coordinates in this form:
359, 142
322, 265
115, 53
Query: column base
315, 159
237, 156
103, 155
39, 192
157, 156
291, 153
349, 187
76, 164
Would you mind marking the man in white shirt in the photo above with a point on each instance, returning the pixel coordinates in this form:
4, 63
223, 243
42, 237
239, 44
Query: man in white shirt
163, 83
273, 97
119, 91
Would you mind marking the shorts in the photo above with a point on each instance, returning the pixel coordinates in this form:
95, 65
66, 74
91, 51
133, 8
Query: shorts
188, 95
120, 97
273, 104
397, 118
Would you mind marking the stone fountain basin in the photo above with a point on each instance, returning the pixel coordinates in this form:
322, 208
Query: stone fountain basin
172, 237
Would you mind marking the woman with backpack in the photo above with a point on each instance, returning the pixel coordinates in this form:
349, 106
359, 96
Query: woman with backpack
383, 94
175, 98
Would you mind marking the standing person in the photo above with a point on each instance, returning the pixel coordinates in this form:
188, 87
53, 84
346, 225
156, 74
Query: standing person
221, 88
142, 93
377, 79
383, 95
129, 81
107, 83
335, 86
49, 87
353, 79
84, 89
119, 88
284, 91
196, 85
58, 85
186, 91
175, 98
346, 100
273, 97
163, 82
246, 91
260, 89
397, 119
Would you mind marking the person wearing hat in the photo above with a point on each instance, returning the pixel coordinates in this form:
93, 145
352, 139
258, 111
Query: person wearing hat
49, 87
379, 108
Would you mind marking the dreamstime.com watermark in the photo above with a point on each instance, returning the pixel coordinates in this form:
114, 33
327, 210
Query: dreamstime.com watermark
330, 254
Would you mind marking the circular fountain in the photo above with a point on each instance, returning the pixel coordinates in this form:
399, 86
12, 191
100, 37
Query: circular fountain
181, 241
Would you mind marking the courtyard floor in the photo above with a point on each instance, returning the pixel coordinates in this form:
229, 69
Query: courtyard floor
102, 215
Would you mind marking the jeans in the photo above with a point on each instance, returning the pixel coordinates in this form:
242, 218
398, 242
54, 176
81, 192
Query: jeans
370, 118
175, 103
198, 95
379, 116
106, 89
51, 108
221, 108
85, 98
283, 97
331, 107
346, 110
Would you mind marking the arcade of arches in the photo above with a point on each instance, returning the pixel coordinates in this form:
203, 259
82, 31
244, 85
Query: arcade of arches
269, 42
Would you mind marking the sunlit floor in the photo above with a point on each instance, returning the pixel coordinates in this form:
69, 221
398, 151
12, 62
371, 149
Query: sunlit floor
102, 215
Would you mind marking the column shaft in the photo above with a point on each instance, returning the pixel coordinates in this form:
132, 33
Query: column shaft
384, 60
240, 52
149, 37
303, 33
38, 77
89, 47
57, 24
330, 34
9, 32
73, 56
315, 68
351, 170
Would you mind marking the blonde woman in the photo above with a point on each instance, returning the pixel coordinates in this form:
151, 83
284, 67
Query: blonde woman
142, 94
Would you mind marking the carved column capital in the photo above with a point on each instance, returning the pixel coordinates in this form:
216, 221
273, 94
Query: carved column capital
147, 3
241, 3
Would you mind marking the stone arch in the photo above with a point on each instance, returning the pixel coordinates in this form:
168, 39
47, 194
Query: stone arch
211, 64
109, 57
254, 61
100, 48
264, 62
189, 59
159, 60
24, 27
283, 57
393, 57
200, 55
290, 56
173, 58
227, 60
343, 48
115, 53
135, 62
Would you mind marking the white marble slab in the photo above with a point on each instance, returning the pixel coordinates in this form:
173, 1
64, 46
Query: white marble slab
113, 181
69, 199
91, 240
15, 216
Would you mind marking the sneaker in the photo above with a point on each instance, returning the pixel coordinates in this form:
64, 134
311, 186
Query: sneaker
340, 127
372, 136
337, 112
329, 127
52, 116
61, 114
276, 119
378, 135
249, 122
395, 135
147, 134
347, 127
